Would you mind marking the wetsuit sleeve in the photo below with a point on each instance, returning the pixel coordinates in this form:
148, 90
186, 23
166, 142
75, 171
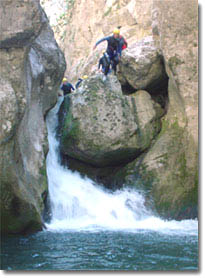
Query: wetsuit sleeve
102, 40
76, 85
120, 47
72, 87
100, 63
120, 50
121, 43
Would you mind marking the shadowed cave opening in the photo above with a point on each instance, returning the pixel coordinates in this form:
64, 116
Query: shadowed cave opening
158, 90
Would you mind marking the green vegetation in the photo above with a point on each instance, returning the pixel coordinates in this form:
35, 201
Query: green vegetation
107, 12
176, 194
173, 62
148, 176
43, 182
70, 130
70, 3
169, 179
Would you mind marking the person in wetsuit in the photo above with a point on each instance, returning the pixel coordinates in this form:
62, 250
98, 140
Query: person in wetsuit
115, 45
66, 87
104, 63
80, 81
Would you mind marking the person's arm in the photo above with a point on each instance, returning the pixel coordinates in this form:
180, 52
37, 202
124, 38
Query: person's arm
120, 50
101, 40
122, 42
100, 63
78, 83
120, 45
72, 87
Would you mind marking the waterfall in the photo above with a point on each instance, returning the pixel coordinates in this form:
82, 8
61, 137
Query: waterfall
80, 204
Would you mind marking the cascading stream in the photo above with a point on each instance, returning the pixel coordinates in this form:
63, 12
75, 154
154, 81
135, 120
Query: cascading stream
79, 204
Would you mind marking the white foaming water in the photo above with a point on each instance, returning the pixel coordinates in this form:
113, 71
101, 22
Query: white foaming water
79, 204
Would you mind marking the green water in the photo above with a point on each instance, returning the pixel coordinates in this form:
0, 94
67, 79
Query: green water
100, 250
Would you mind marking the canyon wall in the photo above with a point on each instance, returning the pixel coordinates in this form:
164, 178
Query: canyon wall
32, 66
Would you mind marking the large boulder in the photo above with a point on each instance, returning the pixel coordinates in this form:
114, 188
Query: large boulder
141, 66
29, 81
103, 127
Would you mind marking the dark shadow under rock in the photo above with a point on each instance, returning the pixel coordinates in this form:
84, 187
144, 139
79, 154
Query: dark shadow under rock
104, 176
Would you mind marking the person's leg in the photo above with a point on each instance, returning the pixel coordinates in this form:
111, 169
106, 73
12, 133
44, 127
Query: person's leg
107, 68
114, 66
111, 57
115, 63
103, 69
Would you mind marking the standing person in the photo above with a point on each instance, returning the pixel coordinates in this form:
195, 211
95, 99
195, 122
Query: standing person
66, 87
115, 45
104, 62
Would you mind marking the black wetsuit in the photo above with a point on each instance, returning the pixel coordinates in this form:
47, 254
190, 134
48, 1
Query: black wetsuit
78, 83
105, 63
66, 88
114, 49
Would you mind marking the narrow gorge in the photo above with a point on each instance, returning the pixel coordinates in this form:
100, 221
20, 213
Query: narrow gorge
116, 154
139, 127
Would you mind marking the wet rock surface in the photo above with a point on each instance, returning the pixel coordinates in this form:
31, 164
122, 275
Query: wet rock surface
32, 72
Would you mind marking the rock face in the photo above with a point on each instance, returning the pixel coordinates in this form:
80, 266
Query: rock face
29, 23
170, 167
103, 127
87, 21
32, 71
141, 66
178, 143
167, 162
178, 43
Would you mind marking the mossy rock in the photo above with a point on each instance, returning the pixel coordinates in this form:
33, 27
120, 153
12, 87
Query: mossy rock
165, 175
174, 184
102, 127
17, 215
